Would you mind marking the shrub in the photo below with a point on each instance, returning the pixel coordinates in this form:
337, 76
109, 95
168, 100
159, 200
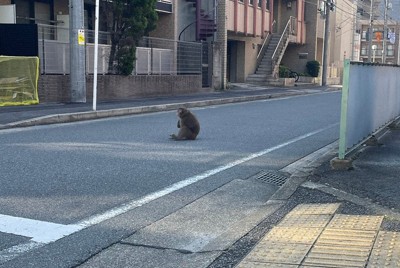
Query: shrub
313, 68
283, 71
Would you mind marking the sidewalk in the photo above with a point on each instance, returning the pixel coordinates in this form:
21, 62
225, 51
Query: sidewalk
341, 218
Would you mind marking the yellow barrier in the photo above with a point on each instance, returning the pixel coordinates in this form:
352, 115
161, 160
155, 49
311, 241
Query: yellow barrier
19, 80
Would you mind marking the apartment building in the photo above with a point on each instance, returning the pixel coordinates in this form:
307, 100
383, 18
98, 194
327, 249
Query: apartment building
382, 43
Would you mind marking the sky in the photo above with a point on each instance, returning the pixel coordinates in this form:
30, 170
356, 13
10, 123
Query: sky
393, 13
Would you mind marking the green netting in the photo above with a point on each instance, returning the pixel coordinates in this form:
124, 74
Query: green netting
18, 80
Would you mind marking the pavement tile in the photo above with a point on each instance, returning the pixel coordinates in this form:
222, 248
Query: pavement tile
278, 253
386, 251
310, 221
314, 209
250, 264
359, 222
297, 235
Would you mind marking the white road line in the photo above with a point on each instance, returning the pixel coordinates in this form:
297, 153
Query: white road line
14, 251
40, 231
179, 185
46, 232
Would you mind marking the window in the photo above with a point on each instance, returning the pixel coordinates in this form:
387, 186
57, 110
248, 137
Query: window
250, 2
363, 50
364, 34
390, 50
259, 3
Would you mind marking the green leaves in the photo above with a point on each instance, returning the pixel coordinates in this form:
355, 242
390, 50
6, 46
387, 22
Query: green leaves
131, 20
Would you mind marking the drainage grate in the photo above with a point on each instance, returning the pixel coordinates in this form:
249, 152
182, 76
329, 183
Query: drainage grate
271, 178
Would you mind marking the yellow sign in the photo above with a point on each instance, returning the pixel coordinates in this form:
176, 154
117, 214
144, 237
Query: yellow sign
81, 37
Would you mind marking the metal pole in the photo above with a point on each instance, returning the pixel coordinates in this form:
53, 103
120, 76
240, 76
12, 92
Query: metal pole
221, 41
326, 45
96, 52
384, 32
370, 32
77, 52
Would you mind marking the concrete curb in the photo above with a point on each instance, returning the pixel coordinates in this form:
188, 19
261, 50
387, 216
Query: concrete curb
90, 115
301, 169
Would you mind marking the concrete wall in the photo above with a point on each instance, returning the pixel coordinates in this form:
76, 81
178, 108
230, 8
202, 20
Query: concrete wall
243, 58
56, 88
310, 49
165, 27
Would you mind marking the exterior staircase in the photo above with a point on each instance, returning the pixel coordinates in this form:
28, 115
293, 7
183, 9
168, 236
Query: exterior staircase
270, 57
264, 73
205, 22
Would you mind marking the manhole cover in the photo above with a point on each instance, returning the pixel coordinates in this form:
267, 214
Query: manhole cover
270, 177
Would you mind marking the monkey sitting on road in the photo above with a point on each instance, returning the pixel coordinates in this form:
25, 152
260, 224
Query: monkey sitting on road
189, 126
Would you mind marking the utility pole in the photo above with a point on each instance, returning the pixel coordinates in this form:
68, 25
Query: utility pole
220, 48
329, 5
385, 32
77, 51
370, 32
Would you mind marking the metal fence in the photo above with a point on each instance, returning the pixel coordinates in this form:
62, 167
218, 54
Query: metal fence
54, 50
370, 101
154, 55
163, 56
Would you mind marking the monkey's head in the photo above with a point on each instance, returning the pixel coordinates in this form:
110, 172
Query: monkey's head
182, 112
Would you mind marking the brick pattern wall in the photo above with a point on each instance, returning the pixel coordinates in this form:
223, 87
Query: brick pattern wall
56, 88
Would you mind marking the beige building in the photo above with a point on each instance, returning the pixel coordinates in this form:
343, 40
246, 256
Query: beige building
378, 42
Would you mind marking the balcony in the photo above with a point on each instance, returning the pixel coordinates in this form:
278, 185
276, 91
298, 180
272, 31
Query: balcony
164, 6
247, 19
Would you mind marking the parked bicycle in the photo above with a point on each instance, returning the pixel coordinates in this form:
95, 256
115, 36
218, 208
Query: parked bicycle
293, 74
284, 71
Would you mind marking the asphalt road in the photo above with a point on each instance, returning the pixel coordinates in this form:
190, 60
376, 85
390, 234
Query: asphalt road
81, 174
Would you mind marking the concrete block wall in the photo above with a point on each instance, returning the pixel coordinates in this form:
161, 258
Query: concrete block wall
56, 88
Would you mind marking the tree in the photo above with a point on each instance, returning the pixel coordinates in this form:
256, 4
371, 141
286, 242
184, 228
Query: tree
128, 21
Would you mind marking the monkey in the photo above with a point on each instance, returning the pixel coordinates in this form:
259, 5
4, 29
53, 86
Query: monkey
189, 126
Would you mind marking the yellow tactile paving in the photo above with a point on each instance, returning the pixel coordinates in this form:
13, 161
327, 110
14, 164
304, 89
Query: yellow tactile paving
359, 222
307, 221
345, 238
386, 251
312, 236
341, 248
292, 235
312, 209
249, 264
278, 253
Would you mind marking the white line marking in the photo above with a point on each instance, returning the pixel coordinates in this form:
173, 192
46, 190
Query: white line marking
40, 231
179, 185
14, 251
45, 232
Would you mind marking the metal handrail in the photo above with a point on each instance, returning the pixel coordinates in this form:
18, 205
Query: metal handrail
283, 34
265, 41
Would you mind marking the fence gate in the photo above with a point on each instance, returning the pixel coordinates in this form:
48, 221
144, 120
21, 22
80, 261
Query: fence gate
206, 64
